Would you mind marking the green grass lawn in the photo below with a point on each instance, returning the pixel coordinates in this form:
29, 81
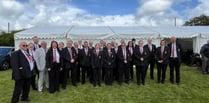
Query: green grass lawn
194, 88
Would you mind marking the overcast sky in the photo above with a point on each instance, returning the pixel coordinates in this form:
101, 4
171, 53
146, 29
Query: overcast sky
29, 13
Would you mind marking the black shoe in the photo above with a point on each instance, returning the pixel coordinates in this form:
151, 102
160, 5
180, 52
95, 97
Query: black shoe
127, 82
138, 83
172, 82
35, 88
64, 87
152, 78
25, 100
99, 85
75, 85
178, 83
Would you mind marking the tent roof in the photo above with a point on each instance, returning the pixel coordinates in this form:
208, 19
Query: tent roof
90, 32
179, 32
133, 32
44, 32
203, 30
104, 32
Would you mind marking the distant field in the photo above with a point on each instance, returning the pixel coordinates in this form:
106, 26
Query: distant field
194, 88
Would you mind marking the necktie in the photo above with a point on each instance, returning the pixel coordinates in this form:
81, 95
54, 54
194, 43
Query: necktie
54, 56
70, 52
124, 53
45, 51
76, 50
86, 51
172, 51
29, 56
141, 50
97, 53
150, 47
109, 53
161, 54
131, 51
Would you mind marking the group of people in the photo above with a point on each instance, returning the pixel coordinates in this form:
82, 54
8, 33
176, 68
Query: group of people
106, 62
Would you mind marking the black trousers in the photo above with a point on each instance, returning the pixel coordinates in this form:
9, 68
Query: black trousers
174, 65
90, 74
84, 72
108, 76
103, 73
33, 82
131, 71
141, 73
78, 71
64, 77
115, 72
123, 71
73, 74
161, 72
21, 86
96, 76
54, 78
152, 66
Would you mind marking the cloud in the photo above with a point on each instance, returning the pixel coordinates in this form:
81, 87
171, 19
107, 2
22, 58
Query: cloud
201, 8
149, 7
62, 12
158, 13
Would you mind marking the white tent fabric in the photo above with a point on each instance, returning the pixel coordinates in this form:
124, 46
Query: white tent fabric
47, 33
89, 32
199, 35
167, 32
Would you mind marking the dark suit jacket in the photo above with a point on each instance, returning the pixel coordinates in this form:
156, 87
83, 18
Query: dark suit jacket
166, 54
96, 61
109, 61
85, 60
178, 50
67, 58
138, 56
151, 53
121, 58
49, 58
20, 66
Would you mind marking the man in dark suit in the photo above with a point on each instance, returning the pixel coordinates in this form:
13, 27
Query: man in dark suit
175, 60
69, 58
124, 59
77, 61
162, 58
141, 62
97, 63
85, 57
151, 60
109, 64
90, 70
22, 65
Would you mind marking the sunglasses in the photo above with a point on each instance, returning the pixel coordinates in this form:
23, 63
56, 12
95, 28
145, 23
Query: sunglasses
24, 45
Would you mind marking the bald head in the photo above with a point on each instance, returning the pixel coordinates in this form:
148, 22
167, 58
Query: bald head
23, 45
43, 44
149, 40
173, 39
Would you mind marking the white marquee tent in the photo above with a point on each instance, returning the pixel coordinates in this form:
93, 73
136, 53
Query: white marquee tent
197, 35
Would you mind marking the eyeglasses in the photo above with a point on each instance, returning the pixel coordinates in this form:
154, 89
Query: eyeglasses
24, 45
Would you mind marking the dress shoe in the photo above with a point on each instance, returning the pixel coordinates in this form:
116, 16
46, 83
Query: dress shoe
75, 85
25, 100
